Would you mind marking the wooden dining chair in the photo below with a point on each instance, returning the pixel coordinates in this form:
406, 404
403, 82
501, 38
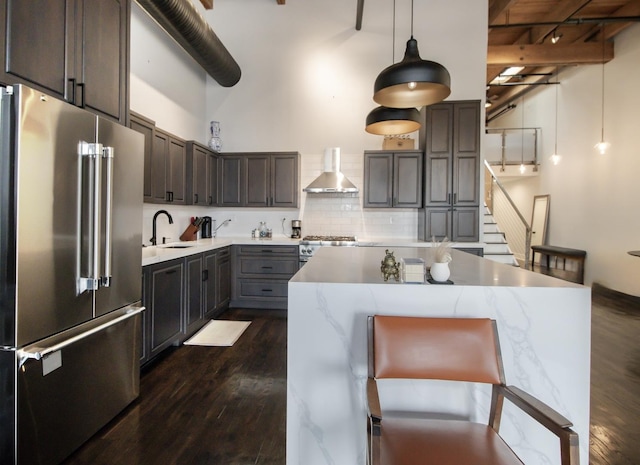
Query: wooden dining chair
454, 349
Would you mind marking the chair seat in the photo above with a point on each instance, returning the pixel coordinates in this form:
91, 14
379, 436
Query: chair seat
442, 442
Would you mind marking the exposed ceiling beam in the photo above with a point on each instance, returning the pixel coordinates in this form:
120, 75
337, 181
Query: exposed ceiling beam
281, 2
514, 93
545, 55
207, 4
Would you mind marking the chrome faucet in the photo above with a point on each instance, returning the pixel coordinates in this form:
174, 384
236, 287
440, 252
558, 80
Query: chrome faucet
155, 217
221, 225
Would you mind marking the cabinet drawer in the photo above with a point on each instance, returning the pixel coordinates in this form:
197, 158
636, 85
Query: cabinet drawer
272, 288
271, 266
268, 249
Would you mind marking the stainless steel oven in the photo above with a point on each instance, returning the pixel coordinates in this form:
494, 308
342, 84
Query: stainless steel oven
309, 245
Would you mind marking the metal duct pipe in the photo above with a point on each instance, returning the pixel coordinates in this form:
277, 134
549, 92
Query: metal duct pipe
182, 21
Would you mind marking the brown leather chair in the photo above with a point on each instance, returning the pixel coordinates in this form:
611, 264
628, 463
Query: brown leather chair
455, 349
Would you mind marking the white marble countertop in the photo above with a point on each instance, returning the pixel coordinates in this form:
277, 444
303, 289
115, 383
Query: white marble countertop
163, 253
361, 265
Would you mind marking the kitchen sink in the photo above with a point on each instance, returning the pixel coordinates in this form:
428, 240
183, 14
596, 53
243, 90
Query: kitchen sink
176, 246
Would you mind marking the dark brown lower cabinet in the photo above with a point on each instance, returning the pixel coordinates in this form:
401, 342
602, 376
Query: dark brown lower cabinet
261, 275
163, 298
458, 224
181, 296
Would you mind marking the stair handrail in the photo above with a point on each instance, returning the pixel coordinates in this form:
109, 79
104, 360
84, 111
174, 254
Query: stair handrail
515, 208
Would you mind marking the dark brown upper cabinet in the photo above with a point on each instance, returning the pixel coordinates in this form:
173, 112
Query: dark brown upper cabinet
146, 127
451, 136
259, 180
202, 175
168, 169
75, 50
392, 179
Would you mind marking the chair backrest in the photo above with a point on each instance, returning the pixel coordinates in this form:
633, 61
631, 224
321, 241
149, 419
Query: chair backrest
458, 349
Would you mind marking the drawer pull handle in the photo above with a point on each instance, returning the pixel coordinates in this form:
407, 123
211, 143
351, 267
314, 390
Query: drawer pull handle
267, 290
267, 268
267, 250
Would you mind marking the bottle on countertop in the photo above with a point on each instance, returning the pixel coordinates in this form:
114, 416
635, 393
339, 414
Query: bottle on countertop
263, 229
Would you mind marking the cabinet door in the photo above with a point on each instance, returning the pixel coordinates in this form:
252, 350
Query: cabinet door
177, 183
284, 180
145, 127
102, 59
438, 155
437, 224
466, 153
159, 164
258, 180
212, 181
164, 304
465, 227
199, 174
210, 284
35, 36
193, 314
230, 183
378, 180
223, 277
407, 180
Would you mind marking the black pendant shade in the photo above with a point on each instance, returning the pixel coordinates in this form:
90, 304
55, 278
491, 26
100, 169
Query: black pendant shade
413, 82
385, 121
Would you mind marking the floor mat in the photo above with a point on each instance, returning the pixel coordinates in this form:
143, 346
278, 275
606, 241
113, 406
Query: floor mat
218, 333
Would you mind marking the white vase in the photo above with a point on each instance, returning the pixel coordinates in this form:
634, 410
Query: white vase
440, 271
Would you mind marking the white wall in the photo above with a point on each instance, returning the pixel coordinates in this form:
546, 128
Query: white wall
595, 199
307, 83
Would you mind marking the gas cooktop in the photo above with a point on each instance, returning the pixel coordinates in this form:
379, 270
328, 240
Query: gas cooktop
329, 238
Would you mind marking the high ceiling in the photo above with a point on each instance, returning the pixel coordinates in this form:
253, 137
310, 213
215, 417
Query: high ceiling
521, 34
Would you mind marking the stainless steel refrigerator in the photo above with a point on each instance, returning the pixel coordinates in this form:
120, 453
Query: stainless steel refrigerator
70, 274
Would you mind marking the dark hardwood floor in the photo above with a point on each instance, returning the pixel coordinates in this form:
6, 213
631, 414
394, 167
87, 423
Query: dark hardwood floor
615, 378
217, 405
205, 405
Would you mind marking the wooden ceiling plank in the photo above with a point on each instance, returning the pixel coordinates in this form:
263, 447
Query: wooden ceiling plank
497, 7
207, 4
281, 2
547, 55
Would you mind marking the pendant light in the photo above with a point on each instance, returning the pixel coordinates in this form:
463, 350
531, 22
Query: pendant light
384, 121
602, 146
413, 82
555, 158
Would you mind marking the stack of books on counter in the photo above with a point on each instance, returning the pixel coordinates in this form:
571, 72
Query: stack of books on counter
412, 270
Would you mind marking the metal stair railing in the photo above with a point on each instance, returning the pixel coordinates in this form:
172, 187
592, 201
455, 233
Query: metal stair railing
508, 217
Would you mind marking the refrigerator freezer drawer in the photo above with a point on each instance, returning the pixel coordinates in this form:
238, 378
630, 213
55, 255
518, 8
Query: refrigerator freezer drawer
66, 396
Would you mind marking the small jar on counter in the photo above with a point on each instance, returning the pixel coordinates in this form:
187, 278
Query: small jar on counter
269, 233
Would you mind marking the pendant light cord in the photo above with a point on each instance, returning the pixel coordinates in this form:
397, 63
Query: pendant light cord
556, 134
412, 19
522, 136
393, 40
602, 105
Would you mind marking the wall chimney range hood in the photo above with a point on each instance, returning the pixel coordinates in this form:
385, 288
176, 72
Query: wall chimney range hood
331, 180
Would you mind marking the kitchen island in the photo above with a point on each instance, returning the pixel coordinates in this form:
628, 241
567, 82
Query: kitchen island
544, 327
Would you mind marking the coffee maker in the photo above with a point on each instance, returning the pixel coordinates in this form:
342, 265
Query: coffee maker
296, 229
206, 227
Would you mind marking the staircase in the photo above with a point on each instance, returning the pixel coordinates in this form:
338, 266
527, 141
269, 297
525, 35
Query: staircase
496, 247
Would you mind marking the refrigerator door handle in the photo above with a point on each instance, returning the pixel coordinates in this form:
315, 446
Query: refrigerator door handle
105, 279
37, 353
91, 152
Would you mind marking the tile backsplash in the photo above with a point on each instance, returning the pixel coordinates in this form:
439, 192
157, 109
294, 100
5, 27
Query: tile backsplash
320, 213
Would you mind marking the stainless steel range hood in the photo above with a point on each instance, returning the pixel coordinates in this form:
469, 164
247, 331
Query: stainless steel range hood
331, 180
